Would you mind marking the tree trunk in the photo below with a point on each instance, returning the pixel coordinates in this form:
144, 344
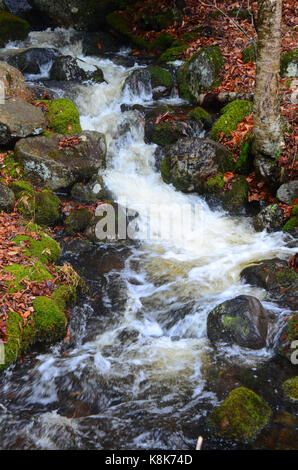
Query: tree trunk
267, 117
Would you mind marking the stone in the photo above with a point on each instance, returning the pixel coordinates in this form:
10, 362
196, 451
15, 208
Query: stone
13, 81
12, 28
19, 119
241, 320
288, 192
271, 218
7, 198
89, 192
46, 165
32, 59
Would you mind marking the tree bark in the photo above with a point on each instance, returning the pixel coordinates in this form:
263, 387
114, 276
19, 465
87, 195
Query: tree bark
267, 117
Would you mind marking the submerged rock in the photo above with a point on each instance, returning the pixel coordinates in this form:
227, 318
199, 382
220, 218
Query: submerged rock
32, 59
19, 119
241, 321
241, 416
190, 162
200, 73
7, 198
50, 167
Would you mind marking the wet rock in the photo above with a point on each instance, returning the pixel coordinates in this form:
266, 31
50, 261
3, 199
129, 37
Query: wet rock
31, 60
268, 170
287, 345
241, 321
41, 92
77, 221
288, 192
67, 68
12, 28
276, 277
290, 388
168, 132
42, 207
53, 168
99, 43
199, 73
89, 192
235, 199
271, 218
153, 79
7, 198
19, 119
190, 162
13, 81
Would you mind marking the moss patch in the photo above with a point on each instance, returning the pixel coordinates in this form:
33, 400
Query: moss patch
235, 199
166, 133
50, 321
241, 416
291, 224
19, 187
46, 250
36, 273
199, 114
232, 114
172, 54
290, 388
165, 168
42, 207
64, 117
12, 28
215, 184
249, 54
160, 77
245, 160
78, 221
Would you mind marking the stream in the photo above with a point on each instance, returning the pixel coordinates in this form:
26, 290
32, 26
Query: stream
139, 371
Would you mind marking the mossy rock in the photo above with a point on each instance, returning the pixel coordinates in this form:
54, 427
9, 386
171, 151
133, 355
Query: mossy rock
166, 133
64, 117
290, 388
12, 28
248, 54
35, 273
172, 54
235, 199
244, 163
160, 77
241, 416
289, 336
201, 115
200, 73
77, 221
46, 249
50, 322
289, 64
42, 207
19, 187
232, 114
294, 210
215, 184
291, 224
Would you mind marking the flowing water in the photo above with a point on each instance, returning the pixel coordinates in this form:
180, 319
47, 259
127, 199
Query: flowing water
139, 372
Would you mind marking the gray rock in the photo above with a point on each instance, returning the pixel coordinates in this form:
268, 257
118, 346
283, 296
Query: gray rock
189, 162
19, 119
7, 198
89, 192
32, 59
270, 218
53, 168
288, 192
71, 69
241, 321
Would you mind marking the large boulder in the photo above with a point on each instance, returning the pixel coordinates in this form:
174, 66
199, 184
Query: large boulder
19, 119
13, 82
32, 59
12, 28
200, 73
241, 416
190, 162
71, 69
55, 163
7, 198
288, 192
81, 14
241, 321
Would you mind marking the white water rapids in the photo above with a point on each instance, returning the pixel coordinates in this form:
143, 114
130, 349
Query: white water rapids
147, 386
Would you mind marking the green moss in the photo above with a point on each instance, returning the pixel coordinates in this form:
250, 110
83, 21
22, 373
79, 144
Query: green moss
65, 295
295, 210
19, 337
10, 167
64, 117
118, 23
166, 133
241, 416
249, 54
199, 114
215, 184
162, 41
50, 321
245, 161
291, 224
235, 199
165, 168
172, 54
36, 273
232, 114
19, 187
46, 250
42, 207
160, 77
200, 73
289, 63
12, 28
78, 221
290, 388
